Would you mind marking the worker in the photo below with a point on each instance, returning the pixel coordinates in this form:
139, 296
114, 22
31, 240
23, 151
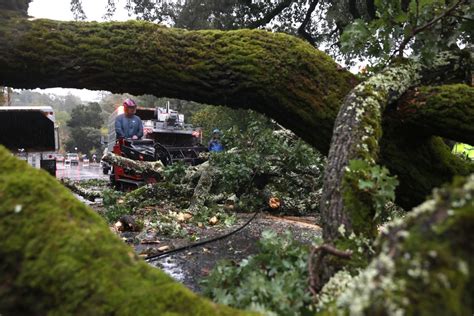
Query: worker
215, 144
128, 125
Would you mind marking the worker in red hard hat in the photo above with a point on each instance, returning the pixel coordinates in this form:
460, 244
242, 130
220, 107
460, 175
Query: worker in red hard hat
128, 125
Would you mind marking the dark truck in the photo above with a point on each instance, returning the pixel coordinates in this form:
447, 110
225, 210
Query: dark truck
31, 134
166, 138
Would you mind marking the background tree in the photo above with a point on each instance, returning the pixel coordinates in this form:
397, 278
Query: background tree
85, 124
225, 119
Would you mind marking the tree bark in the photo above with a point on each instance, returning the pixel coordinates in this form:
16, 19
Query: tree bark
424, 263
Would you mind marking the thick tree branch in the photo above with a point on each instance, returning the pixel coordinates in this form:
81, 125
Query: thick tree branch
154, 169
356, 136
275, 74
74, 186
446, 111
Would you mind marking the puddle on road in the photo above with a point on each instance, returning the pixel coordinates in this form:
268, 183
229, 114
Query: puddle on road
170, 267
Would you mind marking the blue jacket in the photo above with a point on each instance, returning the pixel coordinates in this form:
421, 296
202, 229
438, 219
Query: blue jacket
215, 145
127, 127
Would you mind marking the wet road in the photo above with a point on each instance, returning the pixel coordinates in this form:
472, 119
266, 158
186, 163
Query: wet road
80, 172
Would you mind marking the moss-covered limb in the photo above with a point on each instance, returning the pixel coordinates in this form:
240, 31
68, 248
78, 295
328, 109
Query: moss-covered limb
446, 111
75, 187
273, 73
357, 131
420, 161
58, 257
356, 136
150, 168
425, 265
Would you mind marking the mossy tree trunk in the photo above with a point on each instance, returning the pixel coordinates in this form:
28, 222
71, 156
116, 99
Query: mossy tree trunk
424, 263
58, 257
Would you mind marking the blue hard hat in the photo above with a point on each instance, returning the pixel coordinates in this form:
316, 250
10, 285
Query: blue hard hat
216, 130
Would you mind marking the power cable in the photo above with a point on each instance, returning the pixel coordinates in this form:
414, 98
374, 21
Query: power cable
187, 247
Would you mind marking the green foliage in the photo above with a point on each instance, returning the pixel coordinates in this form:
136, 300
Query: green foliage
211, 117
167, 224
206, 213
289, 167
426, 27
174, 172
113, 207
86, 115
272, 282
374, 181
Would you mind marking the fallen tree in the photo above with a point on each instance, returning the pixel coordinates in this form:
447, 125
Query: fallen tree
276, 74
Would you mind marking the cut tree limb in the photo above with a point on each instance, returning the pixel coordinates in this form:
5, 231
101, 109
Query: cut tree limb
148, 168
75, 187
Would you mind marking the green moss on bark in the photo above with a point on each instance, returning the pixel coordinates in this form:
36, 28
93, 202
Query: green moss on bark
445, 111
425, 264
58, 257
273, 73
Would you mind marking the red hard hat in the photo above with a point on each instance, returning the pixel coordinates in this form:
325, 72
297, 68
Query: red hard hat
129, 103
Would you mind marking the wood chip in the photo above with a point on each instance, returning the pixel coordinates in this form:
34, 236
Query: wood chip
163, 248
213, 220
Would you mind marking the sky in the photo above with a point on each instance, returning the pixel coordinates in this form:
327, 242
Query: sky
61, 10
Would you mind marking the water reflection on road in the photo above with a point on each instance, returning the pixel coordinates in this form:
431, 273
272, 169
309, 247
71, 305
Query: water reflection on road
80, 172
